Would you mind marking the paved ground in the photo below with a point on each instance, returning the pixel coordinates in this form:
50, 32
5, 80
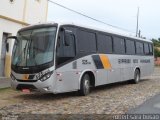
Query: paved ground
4, 83
109, 99
151, 106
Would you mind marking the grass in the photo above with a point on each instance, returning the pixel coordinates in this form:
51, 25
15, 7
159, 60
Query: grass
4, 89
157, 65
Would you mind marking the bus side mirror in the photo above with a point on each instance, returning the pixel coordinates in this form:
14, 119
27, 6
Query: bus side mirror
7, 44
66, 46
67, 40
7, 47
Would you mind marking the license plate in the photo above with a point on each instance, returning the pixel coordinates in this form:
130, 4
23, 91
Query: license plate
26, 90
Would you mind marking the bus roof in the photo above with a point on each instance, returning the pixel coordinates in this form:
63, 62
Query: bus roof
87, 27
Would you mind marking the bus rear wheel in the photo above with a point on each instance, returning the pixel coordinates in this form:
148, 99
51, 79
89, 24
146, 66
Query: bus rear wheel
85, 85
136, 76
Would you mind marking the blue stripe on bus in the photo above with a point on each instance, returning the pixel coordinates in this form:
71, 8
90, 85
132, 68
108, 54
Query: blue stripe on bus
98, 62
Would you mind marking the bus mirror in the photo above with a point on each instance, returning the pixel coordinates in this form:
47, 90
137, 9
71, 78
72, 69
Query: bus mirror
7, 44
66, 44
7, 47
67, 40
62, 29
69, 48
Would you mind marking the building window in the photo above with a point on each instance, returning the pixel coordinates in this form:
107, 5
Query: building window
11, 1
37, 0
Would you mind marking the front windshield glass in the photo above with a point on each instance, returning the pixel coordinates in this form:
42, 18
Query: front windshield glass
34, 47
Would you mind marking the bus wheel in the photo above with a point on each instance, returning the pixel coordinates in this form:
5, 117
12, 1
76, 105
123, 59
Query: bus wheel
136, 76
85, 85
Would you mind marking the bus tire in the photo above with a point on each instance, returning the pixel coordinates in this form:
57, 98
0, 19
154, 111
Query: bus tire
85, 85
136, 76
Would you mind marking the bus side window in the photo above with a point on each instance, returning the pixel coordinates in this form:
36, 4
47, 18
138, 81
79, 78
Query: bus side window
65, 47
146, 48
119, 45
139, 48
60, 45
150, 49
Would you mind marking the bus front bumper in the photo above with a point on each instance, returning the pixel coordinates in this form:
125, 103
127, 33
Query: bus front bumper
38, 86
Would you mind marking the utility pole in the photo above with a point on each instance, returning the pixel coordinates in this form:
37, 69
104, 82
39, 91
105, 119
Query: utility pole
139, 33
137, 23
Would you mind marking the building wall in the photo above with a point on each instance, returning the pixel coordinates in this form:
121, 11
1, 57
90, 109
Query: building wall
16, 15
34, 12
13, 10
10, 28
30, 11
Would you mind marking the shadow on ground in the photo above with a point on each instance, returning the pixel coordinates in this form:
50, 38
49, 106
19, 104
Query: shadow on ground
51, 97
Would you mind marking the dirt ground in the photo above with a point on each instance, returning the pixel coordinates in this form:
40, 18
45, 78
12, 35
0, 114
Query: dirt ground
109, 99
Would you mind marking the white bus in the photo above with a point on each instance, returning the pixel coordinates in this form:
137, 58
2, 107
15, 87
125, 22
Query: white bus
57, 58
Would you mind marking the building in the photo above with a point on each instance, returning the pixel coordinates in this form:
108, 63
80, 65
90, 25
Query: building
15, 14
157, 61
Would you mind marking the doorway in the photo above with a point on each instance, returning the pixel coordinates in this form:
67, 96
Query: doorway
3, 55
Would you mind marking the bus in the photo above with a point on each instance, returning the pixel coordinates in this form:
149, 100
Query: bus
65, 57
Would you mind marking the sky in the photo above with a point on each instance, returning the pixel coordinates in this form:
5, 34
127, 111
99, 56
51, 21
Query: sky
120, 13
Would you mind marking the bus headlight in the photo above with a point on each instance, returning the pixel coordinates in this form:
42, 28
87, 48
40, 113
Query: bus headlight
46, 76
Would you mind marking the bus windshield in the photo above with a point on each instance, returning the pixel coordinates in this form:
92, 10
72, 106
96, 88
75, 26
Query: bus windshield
34, 47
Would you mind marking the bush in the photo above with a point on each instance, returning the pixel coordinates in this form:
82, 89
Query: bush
156, 43
156, 52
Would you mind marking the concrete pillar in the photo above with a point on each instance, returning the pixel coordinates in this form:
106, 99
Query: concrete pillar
7, 70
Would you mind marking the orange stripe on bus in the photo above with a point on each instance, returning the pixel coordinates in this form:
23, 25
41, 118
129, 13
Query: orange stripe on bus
105, 62
25, 77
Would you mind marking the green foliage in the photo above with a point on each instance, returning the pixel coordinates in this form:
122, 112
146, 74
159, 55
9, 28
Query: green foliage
156, 52
4, 89
156, 43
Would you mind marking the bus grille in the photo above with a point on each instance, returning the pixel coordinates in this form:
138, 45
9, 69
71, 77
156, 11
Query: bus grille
26, 80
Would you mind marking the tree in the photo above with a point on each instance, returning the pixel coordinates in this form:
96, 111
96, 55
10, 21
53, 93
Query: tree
156, 42
156, 52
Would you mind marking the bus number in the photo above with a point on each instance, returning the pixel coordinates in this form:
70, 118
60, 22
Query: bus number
85, 62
